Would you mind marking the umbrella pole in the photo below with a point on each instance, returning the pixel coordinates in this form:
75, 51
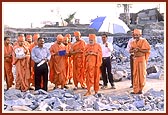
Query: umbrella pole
108, 27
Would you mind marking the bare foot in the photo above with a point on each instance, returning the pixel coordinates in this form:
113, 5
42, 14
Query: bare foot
75, 88
83, 86
66, 87
62, 86
55, 87
87, 93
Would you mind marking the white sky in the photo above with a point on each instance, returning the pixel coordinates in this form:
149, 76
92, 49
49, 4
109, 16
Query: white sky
22, 14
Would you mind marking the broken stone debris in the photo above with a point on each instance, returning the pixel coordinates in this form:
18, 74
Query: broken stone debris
69, 101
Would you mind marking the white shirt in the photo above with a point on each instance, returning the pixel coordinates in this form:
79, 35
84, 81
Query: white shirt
129, 44
106, 51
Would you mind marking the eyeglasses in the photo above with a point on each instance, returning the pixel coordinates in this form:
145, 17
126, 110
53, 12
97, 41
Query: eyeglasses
103, 37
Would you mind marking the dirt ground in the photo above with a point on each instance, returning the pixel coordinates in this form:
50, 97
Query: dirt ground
122, 87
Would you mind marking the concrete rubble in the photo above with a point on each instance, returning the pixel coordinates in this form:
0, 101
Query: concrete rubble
152, 69
67, 100
121, 58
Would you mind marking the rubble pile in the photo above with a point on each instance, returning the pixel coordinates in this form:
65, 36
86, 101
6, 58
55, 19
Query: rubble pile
154, 28
155, 66
153, 31
156, 54
67, 100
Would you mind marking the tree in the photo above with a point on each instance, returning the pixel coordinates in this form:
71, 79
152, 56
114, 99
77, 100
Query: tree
70, 18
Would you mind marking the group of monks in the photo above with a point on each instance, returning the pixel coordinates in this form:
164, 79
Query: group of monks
18, 54
81, 62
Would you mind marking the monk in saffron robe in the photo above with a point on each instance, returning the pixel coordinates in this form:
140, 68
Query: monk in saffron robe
8, 50
33, 44
26, 44
29, 39
70, 59
141, 49
59, 63
21, 61
93, 60
65, 42
77, 50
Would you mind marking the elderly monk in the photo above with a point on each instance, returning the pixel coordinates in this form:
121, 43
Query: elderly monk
34, 43
70, 59
77, 50
26, 44
21, 61
8, 50
93, 60
141, 49
58, 63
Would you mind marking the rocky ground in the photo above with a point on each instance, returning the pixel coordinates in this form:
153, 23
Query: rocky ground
112, 100
109, 100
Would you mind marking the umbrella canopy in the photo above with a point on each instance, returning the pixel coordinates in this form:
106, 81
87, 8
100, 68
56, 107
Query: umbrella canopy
111, 25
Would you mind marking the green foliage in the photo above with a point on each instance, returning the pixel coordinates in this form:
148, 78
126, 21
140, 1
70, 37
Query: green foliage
70, 18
